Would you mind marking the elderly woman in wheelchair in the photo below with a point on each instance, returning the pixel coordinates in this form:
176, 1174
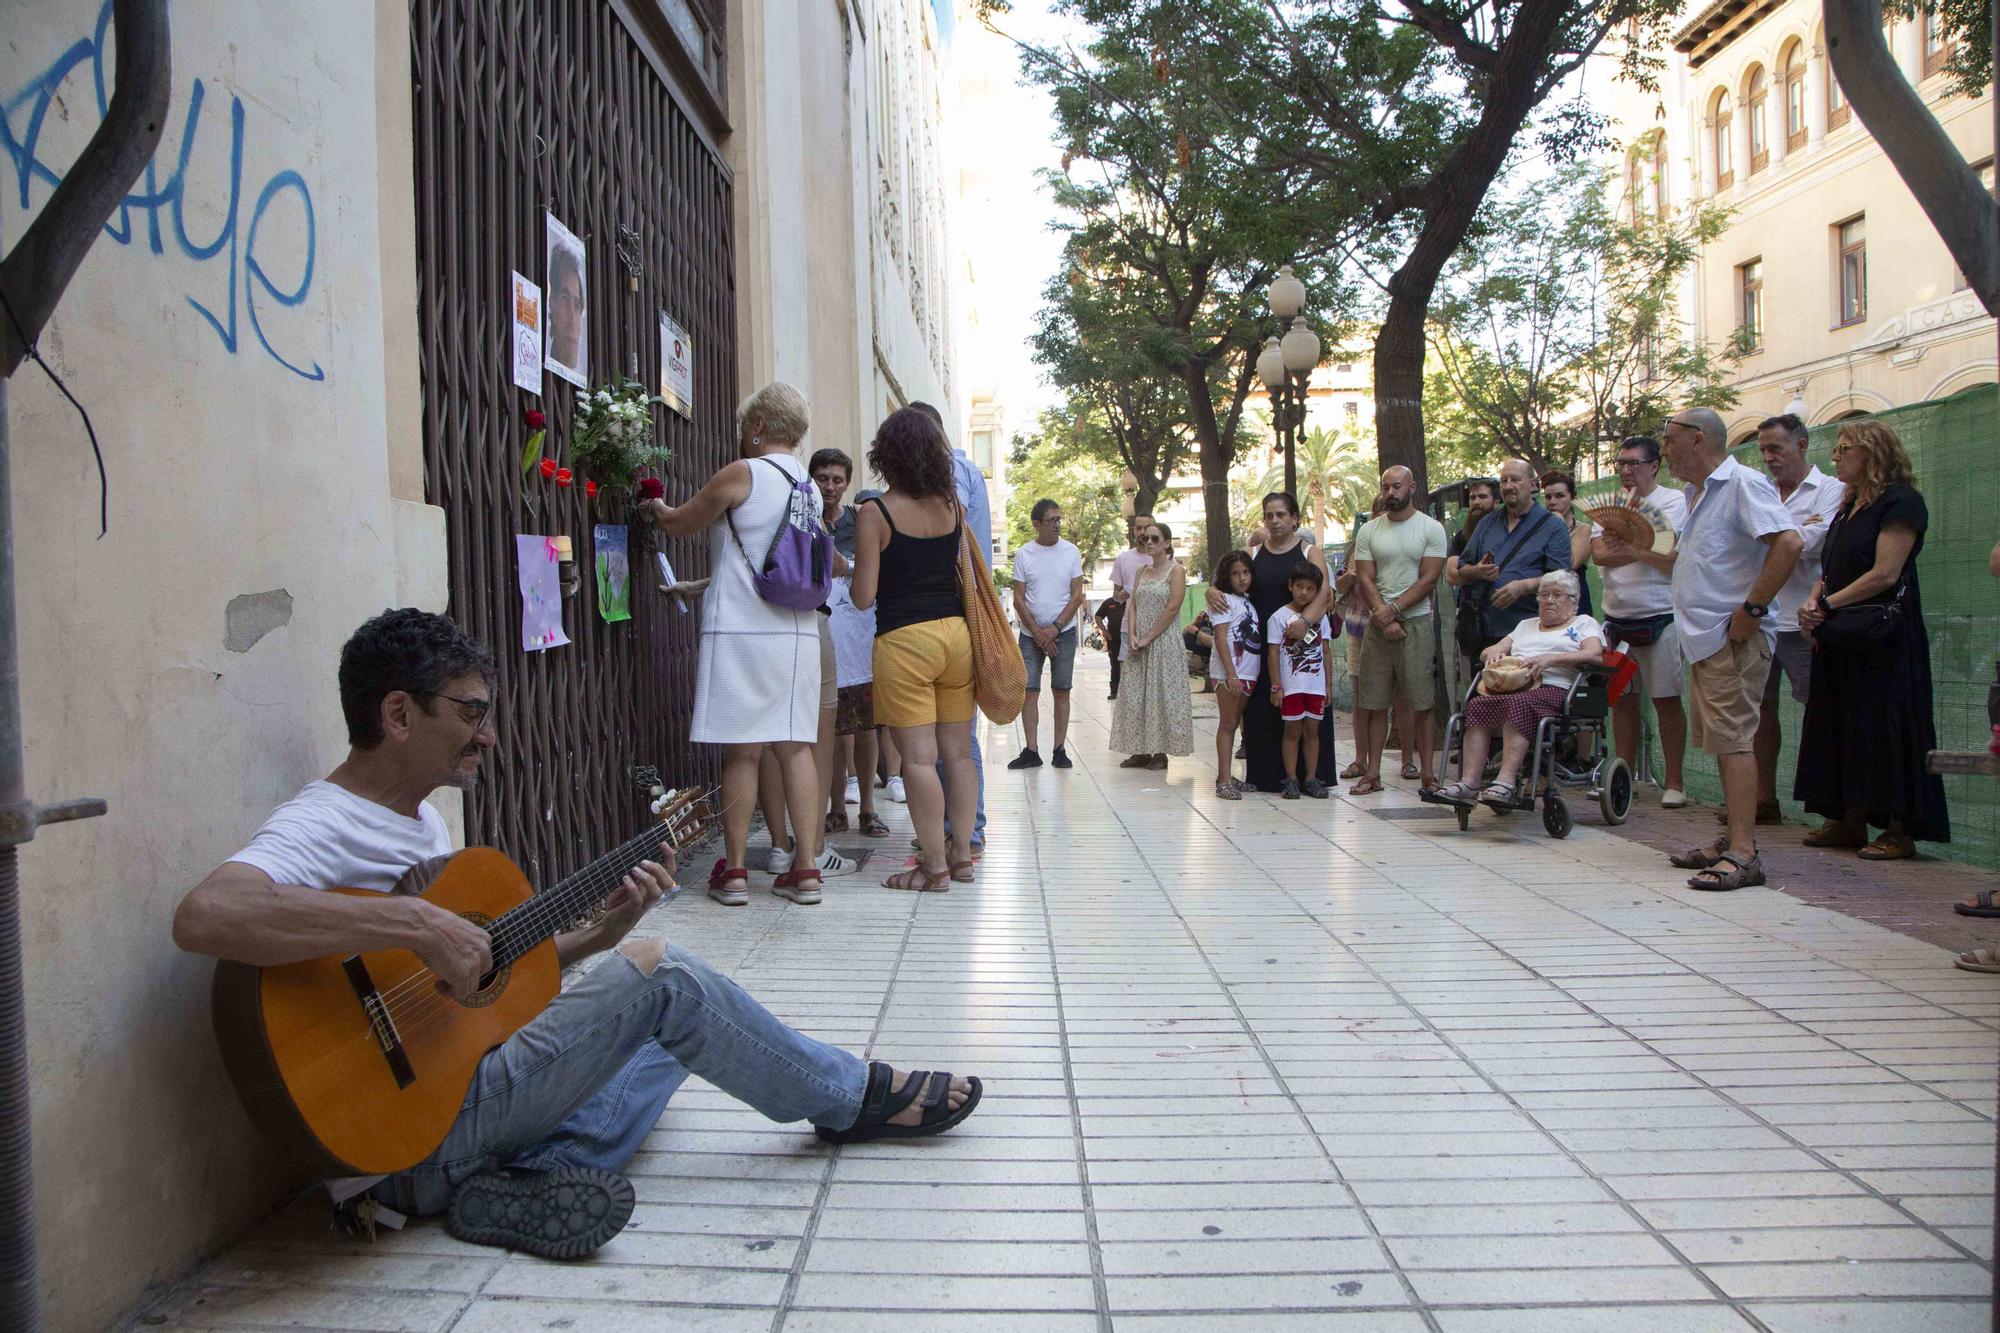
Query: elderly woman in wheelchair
1524, 678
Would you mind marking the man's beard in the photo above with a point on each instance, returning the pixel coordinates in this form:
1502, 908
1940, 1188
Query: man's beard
1398, 506
463, 778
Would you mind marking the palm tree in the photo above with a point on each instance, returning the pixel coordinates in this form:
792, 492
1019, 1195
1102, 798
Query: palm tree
1337, 480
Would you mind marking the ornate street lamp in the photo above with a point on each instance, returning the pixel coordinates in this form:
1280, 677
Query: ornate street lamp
1285, 365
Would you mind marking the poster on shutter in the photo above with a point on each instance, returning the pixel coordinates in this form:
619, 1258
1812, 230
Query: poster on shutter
566, 350
614, 572
527, 335
676, 367
541, 593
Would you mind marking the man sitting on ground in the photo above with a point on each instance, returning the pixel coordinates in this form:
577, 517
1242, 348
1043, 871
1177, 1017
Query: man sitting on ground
558, 1108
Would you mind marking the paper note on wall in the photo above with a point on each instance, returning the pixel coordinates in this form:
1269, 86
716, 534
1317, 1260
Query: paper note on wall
541, 593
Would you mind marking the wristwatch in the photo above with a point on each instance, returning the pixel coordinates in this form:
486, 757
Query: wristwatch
1757, 610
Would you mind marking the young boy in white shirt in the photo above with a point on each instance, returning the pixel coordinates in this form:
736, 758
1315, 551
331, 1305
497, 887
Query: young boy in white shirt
1298, 679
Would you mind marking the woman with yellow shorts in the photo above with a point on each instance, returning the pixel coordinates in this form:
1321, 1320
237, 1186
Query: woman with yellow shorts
906, 567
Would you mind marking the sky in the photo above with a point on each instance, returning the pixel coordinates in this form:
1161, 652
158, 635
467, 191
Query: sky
1003, 135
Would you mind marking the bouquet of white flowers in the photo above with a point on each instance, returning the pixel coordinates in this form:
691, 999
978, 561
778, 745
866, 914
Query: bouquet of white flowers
611, 433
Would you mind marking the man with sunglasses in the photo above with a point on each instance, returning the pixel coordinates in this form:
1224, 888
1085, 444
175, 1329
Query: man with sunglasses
1639, 613
554, 1112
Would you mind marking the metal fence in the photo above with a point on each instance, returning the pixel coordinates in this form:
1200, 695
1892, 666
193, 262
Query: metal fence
523, 106
1952, 446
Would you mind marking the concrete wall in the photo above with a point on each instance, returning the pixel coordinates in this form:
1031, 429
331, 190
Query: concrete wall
258, 410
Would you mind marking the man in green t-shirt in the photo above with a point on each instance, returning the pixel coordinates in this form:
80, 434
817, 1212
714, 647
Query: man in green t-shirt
1398, 558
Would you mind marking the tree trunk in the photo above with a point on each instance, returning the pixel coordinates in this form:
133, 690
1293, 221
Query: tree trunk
1964, 214
1215, 459
1147, 495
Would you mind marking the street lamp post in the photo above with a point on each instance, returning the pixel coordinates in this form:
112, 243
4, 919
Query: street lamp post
1285, 365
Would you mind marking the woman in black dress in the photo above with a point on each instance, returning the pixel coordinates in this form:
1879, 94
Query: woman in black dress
1869, 723
1270, 567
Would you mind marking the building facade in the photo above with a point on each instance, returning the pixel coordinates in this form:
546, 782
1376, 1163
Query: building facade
1849, 301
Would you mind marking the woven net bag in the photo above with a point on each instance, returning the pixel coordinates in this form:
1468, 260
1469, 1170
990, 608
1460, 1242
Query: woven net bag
999, 676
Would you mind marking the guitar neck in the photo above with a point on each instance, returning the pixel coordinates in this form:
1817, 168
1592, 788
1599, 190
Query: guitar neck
560, 906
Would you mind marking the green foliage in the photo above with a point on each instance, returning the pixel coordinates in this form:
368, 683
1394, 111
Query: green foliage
1967, 27
1337, 479
1556, 330
1056, 462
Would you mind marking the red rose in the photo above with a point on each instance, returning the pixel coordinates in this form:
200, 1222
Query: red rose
564, 476
652, 488
590, 489
534, 419
548, 467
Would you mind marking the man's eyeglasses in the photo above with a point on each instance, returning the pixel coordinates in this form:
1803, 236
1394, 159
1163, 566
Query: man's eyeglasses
1638, 462
473, 711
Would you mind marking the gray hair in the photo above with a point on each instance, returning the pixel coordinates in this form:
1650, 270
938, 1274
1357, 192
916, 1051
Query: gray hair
1709, 422
781, 408
1562, 580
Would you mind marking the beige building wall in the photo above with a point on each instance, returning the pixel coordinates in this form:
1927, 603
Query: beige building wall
1921, 335
263, 444
838, 148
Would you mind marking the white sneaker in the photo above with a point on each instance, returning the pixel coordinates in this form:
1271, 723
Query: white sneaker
832, 864
778, 860
853, 793
1673, 798
896, 792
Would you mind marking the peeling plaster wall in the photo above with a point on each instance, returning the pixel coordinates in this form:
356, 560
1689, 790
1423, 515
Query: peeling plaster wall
250, 374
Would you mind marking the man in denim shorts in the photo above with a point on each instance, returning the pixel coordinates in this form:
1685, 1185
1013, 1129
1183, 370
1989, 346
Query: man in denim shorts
1048, 592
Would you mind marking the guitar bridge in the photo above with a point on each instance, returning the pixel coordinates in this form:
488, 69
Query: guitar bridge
379, 1022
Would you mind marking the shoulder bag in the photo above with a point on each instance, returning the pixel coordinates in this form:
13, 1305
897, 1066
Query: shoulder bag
999, 676
1865, 624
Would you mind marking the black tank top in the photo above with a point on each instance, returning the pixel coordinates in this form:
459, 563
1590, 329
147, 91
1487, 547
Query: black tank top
919, 578
1270, 573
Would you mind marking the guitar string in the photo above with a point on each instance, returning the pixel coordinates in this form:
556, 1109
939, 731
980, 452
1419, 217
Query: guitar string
433, 1005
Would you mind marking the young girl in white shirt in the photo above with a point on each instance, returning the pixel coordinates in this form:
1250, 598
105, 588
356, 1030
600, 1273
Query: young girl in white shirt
1234, 665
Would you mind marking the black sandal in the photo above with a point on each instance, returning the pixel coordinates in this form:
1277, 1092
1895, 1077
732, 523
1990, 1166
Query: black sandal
1747, 872
1982, 905
1701, 858
878, 1104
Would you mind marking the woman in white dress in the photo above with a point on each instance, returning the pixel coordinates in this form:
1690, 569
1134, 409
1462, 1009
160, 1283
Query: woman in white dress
758, 680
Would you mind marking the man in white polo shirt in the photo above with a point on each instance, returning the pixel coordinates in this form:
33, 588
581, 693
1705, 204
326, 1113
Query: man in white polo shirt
1048, 592
1812, 499
1639, 613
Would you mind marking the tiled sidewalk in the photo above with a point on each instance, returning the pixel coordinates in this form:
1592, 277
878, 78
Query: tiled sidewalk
1273, 1065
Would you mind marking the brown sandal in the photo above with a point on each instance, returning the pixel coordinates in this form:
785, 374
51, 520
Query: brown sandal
873, 827
919, 880
1701, 858
967, 867
837, 823
1889, 847
1364, 787
1832, 833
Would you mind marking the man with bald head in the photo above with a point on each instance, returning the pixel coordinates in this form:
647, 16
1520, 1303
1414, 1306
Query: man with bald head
1501, 568
1736, 548
1398, 558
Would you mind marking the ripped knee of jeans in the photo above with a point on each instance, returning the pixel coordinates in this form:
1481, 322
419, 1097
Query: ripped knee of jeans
646, 954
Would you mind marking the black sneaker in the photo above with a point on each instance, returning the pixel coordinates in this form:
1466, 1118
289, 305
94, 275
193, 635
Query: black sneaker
1026, 759
561, 1214
1290, 791
1315, 789
1060, 759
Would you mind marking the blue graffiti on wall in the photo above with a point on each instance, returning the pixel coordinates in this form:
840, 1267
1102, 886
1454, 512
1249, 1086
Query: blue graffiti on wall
245, 271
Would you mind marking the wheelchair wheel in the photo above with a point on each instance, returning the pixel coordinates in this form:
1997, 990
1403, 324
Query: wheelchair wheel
1614, 793
1556, 817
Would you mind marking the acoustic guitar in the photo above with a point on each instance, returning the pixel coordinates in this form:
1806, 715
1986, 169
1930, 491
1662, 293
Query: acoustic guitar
359, 1063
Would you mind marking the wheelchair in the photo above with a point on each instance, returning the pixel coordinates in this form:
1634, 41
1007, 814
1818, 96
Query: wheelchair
1571, 750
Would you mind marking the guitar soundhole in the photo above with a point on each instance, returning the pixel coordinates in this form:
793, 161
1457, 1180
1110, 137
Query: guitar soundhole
493, 983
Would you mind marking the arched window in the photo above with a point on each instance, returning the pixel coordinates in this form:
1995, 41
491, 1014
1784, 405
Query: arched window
1836, 100
1635, 182
1793, 75
1719, 135
1756, 96
1659, 168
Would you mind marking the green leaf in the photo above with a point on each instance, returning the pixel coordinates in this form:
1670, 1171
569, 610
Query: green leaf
531, 452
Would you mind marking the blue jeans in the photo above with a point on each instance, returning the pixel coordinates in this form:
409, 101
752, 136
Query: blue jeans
583, 1083
978, 767
1063, 662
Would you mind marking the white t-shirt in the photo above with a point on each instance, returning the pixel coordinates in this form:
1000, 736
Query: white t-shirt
1636, 591
1301, 665
1531, 640
1046, 573
853, 636
1239, 624
326, 837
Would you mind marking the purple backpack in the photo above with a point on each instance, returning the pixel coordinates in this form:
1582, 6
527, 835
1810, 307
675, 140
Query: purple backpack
797, 572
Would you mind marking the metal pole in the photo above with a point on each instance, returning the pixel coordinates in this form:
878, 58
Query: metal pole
19, 1296
1286, 434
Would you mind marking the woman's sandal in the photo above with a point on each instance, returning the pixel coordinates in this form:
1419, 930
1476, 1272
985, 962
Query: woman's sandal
878, 1104
836, 823
966, 867
721, 877
1353, 770
1978, 960
1701, 858
1457, 793
1411, 772
1833, 833
1982, 905
792, 886
1748, 873
873, 827
1498, 797
919, 880
1889, 847
1364, 787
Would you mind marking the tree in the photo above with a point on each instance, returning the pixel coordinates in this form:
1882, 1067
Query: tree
1556, 329
1337, 480
1054, 463
1172, 240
